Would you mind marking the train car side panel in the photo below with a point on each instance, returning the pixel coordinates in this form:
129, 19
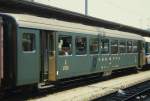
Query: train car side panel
115, 53
73, 55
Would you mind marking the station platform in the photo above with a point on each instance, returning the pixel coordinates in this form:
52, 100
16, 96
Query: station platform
93, 91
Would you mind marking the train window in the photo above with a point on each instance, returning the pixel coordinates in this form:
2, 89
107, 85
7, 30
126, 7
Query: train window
28, 42
122, 46
114, 46
94, 46
135, 47
129, 46
65, 45
105, 46
81, 45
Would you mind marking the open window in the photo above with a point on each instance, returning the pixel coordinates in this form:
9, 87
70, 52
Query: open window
81, 45
105, 46
129, 46
94, 46
114, 46
65, 45
122, 46
135, 50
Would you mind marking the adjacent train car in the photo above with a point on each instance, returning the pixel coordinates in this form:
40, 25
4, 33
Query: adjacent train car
41, 50
147, 50
1, 50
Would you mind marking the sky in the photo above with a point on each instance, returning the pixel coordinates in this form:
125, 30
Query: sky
129, 12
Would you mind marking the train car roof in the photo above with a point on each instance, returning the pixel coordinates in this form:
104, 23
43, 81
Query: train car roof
121, 34
30, 21
147, 39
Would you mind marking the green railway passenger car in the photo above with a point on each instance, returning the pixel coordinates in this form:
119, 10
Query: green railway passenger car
41, 50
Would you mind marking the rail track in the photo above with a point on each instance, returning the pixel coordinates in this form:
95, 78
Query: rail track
135, 93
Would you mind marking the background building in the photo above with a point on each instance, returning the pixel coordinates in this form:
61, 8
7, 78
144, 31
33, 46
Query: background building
129, 12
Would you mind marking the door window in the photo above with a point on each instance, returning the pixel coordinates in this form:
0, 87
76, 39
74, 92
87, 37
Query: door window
28, 42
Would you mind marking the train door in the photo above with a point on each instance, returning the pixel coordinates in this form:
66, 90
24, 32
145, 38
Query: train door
28, 56
44, 60
141, 53
94, 50
1, 50
48, 58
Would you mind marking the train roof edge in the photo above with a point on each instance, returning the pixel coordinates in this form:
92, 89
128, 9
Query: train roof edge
30, 21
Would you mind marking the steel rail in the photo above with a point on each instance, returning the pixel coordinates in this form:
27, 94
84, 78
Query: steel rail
127, 94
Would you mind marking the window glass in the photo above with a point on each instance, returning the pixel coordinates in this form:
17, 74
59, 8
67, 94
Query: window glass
28, 42
129, 46
65, 45
135, 47
94, 45
114, 46
105, 46
122, 46
81, 45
